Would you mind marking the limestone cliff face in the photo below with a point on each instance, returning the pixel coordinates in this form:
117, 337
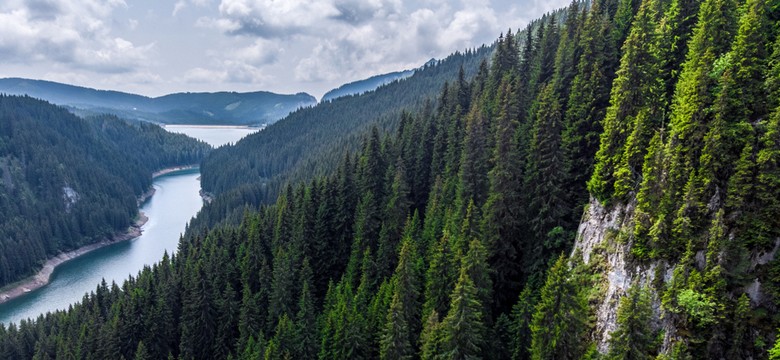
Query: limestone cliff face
598, 242
603, 240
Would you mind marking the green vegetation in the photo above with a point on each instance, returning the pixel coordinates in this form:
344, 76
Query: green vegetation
442, 232
66, 182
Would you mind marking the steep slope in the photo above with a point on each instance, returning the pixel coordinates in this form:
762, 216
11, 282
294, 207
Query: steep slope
361, 86
461, 234
66, 182
312, 141
689, 210
226, 108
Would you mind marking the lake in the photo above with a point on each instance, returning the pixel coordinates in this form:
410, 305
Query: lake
174, 203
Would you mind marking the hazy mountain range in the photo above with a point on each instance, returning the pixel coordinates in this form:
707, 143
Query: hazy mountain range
252, 108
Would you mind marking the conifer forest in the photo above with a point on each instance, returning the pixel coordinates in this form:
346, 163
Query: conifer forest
601, 184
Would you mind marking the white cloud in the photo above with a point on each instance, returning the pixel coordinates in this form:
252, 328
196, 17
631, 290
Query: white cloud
276, 45
270, 18
72, 33
260, 52
183, 4
235, 72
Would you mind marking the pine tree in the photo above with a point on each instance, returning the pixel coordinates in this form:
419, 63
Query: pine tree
741, 99
560, 319
395, 343
475, 161
439, 277
710, 40
463, 330
281, 346
501, 224
306, 342
588, 99
522, 317
396, 214
403, 318
545, 175
197, 316
768, 163
476, 267
633, 110
633, 338
431, 337
141, 353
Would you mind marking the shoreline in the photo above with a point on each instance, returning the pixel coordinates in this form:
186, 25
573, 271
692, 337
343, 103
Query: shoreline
174, 169
174, 126
42, 277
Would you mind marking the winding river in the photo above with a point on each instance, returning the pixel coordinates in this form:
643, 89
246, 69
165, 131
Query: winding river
174, 203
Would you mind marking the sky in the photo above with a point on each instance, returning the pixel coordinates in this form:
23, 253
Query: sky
156, 47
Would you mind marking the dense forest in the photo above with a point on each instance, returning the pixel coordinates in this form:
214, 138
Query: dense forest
453, 236
66, 182
311, 141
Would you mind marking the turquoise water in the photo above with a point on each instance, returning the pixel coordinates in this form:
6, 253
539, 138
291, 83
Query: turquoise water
174, 203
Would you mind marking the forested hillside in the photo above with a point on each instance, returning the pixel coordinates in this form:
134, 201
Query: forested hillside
311, 141
455, 236
66, 181
361, 86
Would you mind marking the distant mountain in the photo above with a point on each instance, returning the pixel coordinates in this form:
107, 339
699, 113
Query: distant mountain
361, 86
181, 108
67, 181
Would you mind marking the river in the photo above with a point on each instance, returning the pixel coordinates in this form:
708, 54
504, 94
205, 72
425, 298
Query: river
174, 203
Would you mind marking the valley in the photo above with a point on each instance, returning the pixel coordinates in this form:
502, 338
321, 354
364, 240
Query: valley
601, 183
174, 201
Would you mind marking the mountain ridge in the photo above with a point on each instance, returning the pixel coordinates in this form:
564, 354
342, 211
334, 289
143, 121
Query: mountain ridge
222, 107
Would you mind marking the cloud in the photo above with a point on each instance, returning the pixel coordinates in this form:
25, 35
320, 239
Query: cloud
71, 33
260, 52
228, 71
350, 39
270, 18
182, 4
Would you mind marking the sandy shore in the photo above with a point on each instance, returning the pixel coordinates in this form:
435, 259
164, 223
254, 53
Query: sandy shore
40, 279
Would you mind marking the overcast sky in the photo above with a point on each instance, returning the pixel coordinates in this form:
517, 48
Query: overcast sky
154, 47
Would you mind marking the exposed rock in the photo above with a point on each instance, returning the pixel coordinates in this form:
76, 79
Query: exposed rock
599, 233
71, 197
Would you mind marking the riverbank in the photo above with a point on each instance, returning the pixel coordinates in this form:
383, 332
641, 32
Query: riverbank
174, 169
42, 277
175, 126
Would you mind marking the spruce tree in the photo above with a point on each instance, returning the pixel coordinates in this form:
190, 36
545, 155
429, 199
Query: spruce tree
522, 317
431, 337
741, 99
544, 180
768, 162
403, 318
501, 221
633, 111
439, 277
463, 330
560, 319
633, 338
693, 97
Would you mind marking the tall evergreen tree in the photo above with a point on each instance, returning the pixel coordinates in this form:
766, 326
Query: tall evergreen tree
463, 330
560, 320
544, 181
633, 338
633, 111
501, 222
